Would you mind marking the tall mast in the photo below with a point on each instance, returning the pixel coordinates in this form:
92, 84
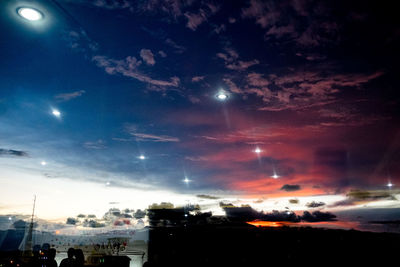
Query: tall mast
28, 242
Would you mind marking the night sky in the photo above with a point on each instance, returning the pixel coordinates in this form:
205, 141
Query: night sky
311, 110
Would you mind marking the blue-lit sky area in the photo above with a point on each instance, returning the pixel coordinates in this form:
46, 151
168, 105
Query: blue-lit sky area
280, 105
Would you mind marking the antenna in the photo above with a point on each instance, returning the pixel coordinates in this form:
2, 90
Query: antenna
28, 240
33, 211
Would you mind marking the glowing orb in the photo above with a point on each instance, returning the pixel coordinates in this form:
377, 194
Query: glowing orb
9, 218
275, 176
389, 184
108, 183
56, 113
186, 180
30, 14
257, 150
142, 157
43, 163
222, 95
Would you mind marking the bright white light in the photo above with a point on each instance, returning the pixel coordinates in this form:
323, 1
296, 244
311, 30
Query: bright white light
186, 180
222, 95
43, 163
257, 150
30, 13
108, 183
275, 176
142, 157
56, 113
9, 218
389, 184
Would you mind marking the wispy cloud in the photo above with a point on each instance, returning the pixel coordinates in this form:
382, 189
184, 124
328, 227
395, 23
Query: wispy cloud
197, 78
162, 53
128, 67
178, 48
231, 59
69, 96
99, 144
12, 152
132, 130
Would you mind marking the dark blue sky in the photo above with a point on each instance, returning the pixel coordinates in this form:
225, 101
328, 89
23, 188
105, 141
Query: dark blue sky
313, 85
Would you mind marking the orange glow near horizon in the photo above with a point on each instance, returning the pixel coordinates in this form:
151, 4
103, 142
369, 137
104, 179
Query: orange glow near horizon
330, 224
267, 224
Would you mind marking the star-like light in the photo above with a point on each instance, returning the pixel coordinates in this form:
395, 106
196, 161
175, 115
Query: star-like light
222, 95
389, 185
142, 157
29, 13
186, 180
107, 183
275, 176
43, 163
56, 113
257, 150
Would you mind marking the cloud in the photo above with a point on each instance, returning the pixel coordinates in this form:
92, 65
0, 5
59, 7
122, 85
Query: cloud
318, 216
178, 48
147, 56
194, 20
315, 204
99, 144
149, 137
242, 65
232, 62
162, 53
12, 152
69, 96
193, 99
79, 41
207, 197
290, 187
128, 67
196, 79
299, 90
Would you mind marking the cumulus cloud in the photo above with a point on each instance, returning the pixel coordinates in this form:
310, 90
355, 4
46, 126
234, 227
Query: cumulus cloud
290, 187
147, 56
128, 67
12, 152
318, 216
69, 96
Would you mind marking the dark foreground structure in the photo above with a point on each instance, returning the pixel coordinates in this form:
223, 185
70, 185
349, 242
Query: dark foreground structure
245, 245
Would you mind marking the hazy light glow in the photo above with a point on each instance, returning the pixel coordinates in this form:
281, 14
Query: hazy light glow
142, 157
29, 13
389, 184
275, 176
186, 180
56, 113
43, 163
222, 95
257, 150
